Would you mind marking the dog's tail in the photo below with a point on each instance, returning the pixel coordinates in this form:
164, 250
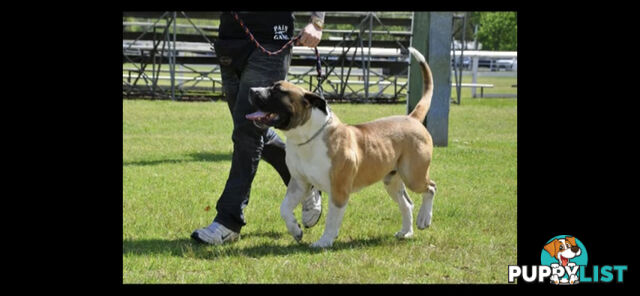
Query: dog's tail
421, 109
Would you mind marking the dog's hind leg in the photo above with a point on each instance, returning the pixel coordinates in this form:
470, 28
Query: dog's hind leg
425, 214
395, 187
414, 170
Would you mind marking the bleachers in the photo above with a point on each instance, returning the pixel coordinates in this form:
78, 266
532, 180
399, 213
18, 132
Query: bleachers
343, 59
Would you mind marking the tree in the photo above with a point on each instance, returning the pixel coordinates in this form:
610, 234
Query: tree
498, 30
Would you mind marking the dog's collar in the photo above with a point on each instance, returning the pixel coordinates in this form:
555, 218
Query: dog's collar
321, 128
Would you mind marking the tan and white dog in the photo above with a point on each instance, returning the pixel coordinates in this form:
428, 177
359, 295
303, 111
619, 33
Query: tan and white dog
341, 159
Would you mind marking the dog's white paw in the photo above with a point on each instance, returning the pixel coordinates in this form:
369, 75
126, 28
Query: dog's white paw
322, 243
573, 279
295, 231
403, 235
554, 278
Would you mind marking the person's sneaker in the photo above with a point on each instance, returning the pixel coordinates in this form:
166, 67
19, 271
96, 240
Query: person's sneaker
312, 208
215, 234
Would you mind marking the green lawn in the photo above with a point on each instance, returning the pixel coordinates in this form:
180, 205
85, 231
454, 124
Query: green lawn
176, 160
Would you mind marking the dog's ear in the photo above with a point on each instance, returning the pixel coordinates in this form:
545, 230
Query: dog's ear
571, 239
552, 248
316, 101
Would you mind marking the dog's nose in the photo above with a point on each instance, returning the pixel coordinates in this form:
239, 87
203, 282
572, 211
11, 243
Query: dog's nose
252, 93
575, 249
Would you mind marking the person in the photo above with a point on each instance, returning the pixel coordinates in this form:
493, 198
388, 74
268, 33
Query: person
243, 66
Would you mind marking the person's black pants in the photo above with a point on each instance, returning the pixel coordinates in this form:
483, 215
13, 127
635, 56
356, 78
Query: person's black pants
250, 143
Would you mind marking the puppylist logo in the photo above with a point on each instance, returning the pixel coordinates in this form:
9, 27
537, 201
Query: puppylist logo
564, 261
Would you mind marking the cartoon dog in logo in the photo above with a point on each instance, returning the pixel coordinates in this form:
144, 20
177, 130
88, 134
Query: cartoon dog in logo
563, 249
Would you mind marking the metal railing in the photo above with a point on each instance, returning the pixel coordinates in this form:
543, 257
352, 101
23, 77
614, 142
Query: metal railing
360, 53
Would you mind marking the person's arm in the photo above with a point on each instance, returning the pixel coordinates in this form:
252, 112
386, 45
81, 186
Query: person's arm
317, 18
312, 32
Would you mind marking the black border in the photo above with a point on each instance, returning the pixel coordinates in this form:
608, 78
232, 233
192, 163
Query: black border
571, 145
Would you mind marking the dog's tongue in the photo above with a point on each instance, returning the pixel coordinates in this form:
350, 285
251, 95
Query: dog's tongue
564, 260
256, 115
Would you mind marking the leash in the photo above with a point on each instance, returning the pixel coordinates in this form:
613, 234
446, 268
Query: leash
320, 80
288, 44
257, 44
319, 70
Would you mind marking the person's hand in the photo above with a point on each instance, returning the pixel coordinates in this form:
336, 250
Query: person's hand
310, 36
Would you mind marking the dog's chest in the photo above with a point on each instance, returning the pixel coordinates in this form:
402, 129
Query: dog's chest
310, 163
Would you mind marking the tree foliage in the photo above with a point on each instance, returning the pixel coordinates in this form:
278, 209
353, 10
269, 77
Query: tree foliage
497, 30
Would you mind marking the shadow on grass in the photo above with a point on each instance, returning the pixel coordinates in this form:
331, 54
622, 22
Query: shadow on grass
194, 157
186, 247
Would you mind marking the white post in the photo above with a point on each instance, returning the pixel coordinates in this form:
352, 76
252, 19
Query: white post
432, 36
474, 74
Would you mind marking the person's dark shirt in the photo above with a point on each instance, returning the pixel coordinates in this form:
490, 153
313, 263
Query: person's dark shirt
268, 27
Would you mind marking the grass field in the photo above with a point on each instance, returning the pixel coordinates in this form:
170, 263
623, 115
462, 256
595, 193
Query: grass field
176, 160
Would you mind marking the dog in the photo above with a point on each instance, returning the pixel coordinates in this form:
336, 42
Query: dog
341, 159
563, 249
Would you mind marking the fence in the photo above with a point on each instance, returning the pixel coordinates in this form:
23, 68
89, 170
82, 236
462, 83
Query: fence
166, 60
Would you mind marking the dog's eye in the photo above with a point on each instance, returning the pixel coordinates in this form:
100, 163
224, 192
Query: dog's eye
561, 247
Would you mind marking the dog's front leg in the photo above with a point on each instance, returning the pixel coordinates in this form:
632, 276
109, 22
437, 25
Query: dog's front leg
332, 227
295, 192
